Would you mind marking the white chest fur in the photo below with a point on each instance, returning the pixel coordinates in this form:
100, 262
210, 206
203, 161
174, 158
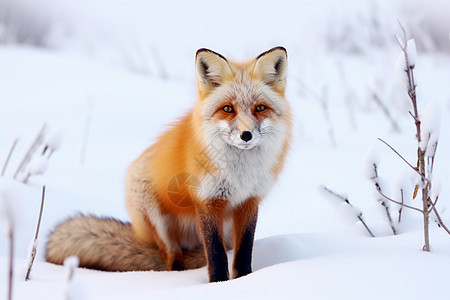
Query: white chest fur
240, 174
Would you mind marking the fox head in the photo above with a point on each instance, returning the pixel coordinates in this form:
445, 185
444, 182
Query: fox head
243, 104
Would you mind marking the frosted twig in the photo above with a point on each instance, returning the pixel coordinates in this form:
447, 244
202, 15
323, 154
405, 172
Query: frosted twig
382, 202
11, 262
399, 155
72, 291
8, 156
26, 158
163, 74
324, 104
433, 204
386, 112
388, 214
441, 223
7, 214
402, 44
322, 98
33, 250
415, 119
399, 203
433, 156
345, 199
401, 207
421, 168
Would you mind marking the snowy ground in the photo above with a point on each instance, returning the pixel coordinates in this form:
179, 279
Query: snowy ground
112, 87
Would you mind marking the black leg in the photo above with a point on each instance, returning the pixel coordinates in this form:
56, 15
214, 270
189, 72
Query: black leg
211, 229
217, 257
177, 265
243, 257
244, 231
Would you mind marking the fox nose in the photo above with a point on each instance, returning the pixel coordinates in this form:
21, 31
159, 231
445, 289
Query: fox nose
246, 136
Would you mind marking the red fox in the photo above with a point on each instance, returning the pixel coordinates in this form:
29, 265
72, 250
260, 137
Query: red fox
195, 192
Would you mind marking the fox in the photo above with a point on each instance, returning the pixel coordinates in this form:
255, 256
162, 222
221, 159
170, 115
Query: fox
195, 193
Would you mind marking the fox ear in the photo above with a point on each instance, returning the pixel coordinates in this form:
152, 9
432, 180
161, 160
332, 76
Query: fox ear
271, 67
212, 70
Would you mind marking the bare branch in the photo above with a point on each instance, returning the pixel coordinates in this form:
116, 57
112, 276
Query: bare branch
33, 250
345, 199
399, 42
433, 204
33, 146
399, 155
388, 214
401, 207
440, 220
421, 168
415, 119
404, 34
385, 111
382, 202
11, 263
8, 156
399, 203
7, 216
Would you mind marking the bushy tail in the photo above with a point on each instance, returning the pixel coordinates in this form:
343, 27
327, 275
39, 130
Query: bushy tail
108, 244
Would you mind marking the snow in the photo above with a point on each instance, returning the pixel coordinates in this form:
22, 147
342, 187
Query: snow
71, 263
406, 63
316, 267
37, 166
371, 160
402, 185
6, 214
431, 120
75, 289
112, 74
54, 139
31, 248
400, 65
411, 52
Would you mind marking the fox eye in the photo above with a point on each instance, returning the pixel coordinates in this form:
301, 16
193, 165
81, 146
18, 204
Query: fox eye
260, 108
228, 109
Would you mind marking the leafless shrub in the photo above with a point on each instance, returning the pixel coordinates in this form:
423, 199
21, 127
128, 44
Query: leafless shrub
427, 141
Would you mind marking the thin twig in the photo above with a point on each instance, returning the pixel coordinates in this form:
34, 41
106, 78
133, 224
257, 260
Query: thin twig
404, 33
26, 158
322, 98
324, 105
11, 261
8, 156
401, 207
440, 220
435, 145
399, 203
433, 204
33, 250
345, 199
365, 225
382, 202
388, 214
386, 112
399, 155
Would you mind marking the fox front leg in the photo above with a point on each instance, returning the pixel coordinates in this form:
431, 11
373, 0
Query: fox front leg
210, 218
244, 218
